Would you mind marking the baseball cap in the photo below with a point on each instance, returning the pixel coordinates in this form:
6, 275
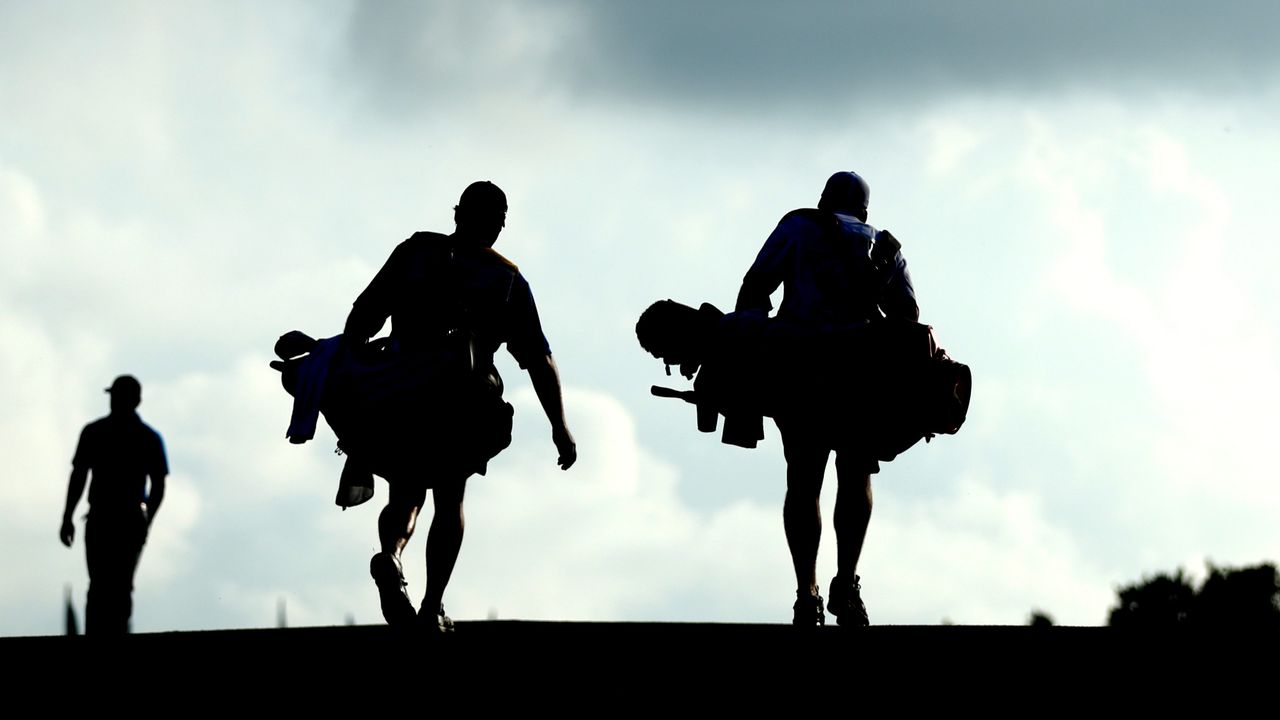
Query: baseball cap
846, 190
483, 196
126, 385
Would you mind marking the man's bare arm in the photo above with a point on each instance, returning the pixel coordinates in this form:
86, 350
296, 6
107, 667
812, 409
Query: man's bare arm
898, 299
75, 489
546, 383
155, 497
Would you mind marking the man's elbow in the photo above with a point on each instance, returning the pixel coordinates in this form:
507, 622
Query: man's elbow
362, 324
906, 310
751, 298
541, 368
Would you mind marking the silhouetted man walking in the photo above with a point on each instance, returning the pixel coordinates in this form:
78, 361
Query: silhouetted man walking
439, 291
837, 271
120, 453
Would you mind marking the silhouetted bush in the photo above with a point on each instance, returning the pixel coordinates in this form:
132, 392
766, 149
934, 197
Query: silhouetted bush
1246, 597
1242, 597
1040, 618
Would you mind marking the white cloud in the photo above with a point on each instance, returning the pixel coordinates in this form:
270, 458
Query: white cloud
204, 180
952, 145
1205, 345
39, 426
608, 539
974, 555
22, 211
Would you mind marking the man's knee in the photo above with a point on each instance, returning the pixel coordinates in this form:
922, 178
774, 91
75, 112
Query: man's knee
406, 495
448, 494
855, 488
855, 468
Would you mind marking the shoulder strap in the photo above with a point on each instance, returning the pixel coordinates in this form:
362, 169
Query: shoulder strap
883, 251
822, 218
502, 260
433, 260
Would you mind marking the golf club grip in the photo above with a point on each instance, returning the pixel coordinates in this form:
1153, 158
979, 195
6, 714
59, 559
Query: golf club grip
666, 392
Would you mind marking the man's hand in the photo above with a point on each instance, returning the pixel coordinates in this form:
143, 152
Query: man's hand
567, 448
75, 488
546, 383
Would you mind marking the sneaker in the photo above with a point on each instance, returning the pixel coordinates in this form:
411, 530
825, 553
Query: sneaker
442, 623
846, 602
387, 573
808, 610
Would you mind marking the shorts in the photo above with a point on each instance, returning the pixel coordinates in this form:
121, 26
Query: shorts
804, 438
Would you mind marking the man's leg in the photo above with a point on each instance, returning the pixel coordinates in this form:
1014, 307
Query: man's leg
135, 537
399, 518
97, 599
112, 547
395, 526
444, 541
852, 517
802, 518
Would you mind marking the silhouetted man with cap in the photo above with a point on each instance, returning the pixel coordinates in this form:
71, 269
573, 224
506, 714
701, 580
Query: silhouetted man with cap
120, 453
837, 272
437, 289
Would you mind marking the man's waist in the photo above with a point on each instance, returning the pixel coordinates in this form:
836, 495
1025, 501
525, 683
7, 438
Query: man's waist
118, 510
825, 319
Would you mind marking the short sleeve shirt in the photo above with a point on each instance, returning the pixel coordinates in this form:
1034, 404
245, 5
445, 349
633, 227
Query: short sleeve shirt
826, 272
427, 287
120, 451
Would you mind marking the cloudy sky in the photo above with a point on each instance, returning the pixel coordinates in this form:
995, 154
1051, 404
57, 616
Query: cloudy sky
1083, 191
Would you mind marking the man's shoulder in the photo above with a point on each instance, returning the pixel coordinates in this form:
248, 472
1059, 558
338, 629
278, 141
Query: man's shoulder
806, 218
151, 432
97, 426
487, 263
851, 224
133, 426
150, 445
501, 261
812, 222
426, 236
411, 257
420, 241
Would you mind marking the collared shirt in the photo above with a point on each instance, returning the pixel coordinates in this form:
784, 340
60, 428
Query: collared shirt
428, 287
824, 262
121, 451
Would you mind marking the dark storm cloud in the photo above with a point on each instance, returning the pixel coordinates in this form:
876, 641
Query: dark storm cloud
417, 56
757, 55
749, 52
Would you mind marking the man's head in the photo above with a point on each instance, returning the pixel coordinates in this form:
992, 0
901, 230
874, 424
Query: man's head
673, 332
481, 213
846, 192
126, 393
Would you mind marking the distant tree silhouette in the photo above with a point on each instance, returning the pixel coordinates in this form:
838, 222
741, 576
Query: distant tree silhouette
1162, 600
1245, 597
1239, 597
1040, 618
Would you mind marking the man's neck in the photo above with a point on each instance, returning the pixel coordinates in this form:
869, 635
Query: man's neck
860, 217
